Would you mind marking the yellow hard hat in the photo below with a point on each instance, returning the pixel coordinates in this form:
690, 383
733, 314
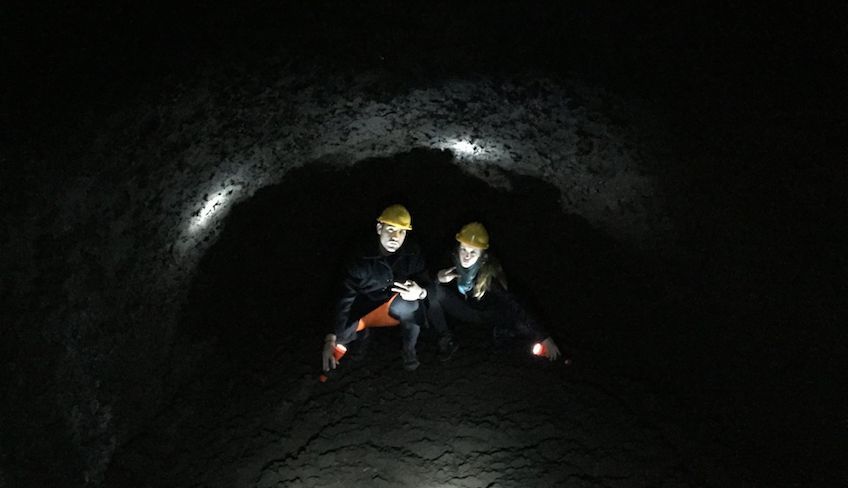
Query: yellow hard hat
474, 235
396, 215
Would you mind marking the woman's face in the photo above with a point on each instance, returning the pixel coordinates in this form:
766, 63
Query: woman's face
468, 255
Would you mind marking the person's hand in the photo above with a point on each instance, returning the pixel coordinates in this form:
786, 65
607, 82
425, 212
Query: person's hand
551, 349
409, 290
447, 275
328, 360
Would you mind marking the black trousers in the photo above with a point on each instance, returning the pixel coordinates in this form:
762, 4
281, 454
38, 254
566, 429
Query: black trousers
507, 318
406, 312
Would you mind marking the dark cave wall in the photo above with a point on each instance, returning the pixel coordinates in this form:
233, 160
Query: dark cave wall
102, 232
102, 254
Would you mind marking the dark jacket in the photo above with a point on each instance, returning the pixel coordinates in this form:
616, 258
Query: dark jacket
491, 281
369, 277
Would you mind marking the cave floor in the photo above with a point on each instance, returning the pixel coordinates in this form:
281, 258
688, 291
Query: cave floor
482, 419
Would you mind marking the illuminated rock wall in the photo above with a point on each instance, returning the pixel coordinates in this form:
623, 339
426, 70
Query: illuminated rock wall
122, 236
109, 206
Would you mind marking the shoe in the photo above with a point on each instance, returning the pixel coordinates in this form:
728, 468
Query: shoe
447, 347
410, 359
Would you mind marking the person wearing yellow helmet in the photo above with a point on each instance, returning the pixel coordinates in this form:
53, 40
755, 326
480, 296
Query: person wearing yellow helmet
382, 286
475, 290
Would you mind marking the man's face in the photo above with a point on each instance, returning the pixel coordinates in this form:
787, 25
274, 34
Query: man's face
468, 255
391, 237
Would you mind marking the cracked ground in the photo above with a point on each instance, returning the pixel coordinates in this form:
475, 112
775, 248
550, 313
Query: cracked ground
483, 419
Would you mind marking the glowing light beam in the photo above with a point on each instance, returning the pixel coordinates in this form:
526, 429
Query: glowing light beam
473, 150
214, 208
464, 147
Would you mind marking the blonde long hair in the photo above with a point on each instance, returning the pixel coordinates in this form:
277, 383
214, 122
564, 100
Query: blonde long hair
490, 271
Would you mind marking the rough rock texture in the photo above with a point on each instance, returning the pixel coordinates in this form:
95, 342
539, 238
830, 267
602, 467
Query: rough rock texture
486, 419
124, 235
123, 185
255, 414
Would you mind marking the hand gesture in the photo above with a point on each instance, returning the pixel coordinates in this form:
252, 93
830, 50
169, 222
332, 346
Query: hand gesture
447, 275
328, 360
409, 290
551, 349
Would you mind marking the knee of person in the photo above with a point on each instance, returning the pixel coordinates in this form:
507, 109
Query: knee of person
401, 307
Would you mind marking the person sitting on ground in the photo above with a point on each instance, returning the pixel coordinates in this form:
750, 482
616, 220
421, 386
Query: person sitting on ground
474, 290
383, 286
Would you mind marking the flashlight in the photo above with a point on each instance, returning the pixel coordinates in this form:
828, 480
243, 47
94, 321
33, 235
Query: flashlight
338, 352
539, 349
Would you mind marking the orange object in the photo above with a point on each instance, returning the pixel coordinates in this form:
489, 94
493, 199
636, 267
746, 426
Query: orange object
339, 351
539, 349
379, 317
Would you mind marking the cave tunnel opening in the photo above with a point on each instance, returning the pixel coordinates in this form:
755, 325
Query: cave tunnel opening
272, 274
751, 326
263, 295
